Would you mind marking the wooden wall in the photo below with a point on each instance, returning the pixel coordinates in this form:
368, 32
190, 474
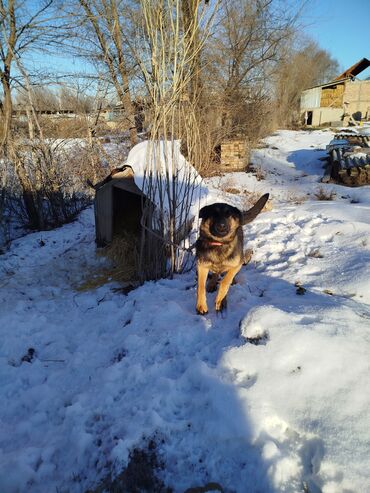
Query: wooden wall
332, 97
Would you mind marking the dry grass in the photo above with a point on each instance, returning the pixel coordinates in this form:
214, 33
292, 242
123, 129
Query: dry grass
257, 171
123, 254
295, 198
322, 194
95, 279
63, 128
235, 191
140, 475
229, 186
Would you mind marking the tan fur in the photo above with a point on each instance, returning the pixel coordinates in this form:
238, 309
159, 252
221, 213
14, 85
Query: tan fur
221, 250
202, 307
225, 285
206, 224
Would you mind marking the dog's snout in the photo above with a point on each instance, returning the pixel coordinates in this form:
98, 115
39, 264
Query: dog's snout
221, 227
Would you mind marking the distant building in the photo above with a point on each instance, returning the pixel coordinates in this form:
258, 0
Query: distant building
340, 101
22, 114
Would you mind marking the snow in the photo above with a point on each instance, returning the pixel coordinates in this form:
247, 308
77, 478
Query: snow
164, 160
270, 397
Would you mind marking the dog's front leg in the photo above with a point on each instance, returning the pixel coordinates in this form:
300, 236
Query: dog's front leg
202, 308
224, 287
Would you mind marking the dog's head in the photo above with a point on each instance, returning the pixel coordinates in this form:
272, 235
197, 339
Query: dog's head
222, 220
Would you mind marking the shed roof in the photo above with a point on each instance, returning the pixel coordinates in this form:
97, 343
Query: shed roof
356, 69
328, 84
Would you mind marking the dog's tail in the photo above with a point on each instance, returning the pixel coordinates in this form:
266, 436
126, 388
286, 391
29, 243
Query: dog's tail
252, 213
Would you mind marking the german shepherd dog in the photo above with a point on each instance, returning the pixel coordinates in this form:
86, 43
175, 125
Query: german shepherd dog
219, 249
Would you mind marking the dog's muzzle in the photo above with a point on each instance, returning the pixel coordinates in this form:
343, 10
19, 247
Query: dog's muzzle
220, 229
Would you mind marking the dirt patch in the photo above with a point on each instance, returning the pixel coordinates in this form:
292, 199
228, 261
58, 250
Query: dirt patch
140, 475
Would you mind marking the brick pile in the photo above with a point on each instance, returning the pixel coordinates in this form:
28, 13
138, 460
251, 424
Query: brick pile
234, 155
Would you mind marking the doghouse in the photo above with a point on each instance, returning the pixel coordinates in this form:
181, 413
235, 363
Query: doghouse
118, 206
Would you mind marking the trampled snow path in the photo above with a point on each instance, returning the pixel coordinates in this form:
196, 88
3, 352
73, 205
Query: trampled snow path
272, 397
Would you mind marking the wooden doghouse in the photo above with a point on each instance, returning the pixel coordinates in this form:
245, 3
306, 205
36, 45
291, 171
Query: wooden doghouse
118, 206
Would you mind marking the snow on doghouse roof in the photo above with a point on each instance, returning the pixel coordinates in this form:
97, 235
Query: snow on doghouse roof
164, 160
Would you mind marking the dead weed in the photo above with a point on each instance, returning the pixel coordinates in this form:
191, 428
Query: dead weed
322, 194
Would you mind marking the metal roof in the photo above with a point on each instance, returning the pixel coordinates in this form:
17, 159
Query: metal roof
356, 69
328, 84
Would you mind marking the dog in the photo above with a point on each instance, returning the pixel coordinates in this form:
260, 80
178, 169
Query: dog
219, 249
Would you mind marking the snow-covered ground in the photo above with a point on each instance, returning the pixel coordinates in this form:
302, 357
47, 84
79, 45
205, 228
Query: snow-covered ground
271, 397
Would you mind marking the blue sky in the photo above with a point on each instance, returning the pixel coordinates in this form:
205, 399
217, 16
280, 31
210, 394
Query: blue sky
342, 27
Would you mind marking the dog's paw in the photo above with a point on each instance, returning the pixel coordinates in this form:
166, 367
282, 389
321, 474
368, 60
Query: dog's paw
247, 256
221, 305
202, 309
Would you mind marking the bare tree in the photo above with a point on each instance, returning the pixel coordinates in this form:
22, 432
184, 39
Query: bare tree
246, 46
24, 26
76, 98
191, 33
168, 63
44, 98
104, 32
8, 43
299, 69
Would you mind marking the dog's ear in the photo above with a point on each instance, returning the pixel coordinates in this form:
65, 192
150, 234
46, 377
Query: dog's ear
205, 212
252, 213
236, 213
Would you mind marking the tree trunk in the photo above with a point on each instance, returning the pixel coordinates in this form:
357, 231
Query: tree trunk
7, 109
191, 35
126, 99
121, 86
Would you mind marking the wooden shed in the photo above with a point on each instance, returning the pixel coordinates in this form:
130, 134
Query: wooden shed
118, 206
343, 100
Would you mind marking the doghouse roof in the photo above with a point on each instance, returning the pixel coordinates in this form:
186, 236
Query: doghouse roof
122, 178
164, 160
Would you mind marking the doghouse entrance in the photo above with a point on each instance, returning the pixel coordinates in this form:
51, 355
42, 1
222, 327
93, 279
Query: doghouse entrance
127, 211
123, 249
119, 205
